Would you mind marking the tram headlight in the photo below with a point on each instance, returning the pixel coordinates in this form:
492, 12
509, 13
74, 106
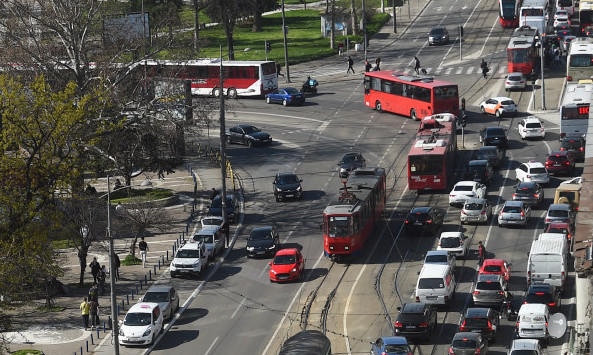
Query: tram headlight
346, 248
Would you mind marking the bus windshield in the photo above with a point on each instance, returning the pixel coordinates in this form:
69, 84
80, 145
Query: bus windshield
339, 226
426, 164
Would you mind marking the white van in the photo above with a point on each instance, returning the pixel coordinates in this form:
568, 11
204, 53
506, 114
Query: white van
213, 238
547, 261
532, 321
436, 284
142, 324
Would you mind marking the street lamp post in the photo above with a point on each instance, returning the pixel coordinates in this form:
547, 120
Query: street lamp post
114, 325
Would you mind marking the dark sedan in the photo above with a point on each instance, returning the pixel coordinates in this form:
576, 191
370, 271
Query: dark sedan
232, 204
286, 96
287, 185
416, 320
248, 135
575, 145
466, 343
481, 320
424, 218
493, 154
480, 171
349, 162
495, 136
529, 192
263, 241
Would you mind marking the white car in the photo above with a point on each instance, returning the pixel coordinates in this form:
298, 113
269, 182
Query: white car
532, 171
455, 243
515, 81
531, 127
561, 22
446, 117
142, 324
574, 180
525, 346
464, 190
211, 221
498, 106
561, 15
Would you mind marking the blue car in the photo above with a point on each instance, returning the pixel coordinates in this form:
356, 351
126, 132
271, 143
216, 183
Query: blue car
286, 96
391, 346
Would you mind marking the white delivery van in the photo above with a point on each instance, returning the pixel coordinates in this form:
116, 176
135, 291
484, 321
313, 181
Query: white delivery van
532, 321
213, 238
436, 284
547, 261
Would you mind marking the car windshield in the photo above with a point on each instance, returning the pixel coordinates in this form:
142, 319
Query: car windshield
350, 158
284, 259
217, 202
463, 188
488, 285
250, 129
137, 319
440, 258
495, 132
287, 180
397, 348
260, 235
473, 206
492, 268
430, 283
451, 242
188, 253
486, 153
292, 91
437, 31
206, 238
156, 297
464, 344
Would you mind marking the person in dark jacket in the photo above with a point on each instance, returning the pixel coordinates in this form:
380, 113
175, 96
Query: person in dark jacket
95, 268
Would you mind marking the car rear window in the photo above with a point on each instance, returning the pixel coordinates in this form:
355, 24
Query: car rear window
533, 125
491, 286
539, 297
473, 206
525, 190
511, 209
397, 348
508, 102
571, 144
539, 170
430, 283
411, 317
450, 242
557, 230
476, 322
515, 77
557, 159
465, 344
557, 213
463, 188
436, 259
492, 268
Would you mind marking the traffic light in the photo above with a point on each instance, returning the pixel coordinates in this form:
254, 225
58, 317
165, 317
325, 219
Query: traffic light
268, 47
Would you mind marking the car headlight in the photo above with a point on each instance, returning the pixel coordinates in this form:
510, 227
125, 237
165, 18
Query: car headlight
271, 247
121, 333
273, 271
196, 263
250, 248
299, 189
147, 332
278, 189
294, 269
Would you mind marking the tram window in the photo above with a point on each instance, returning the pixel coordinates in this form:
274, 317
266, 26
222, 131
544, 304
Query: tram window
581, 60
518, 56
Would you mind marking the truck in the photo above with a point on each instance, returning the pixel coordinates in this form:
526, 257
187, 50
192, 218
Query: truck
547, 262
190, 259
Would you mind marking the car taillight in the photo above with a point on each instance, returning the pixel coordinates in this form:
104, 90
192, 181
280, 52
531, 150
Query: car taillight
582, 149
439, 243
569, 236
462, 327
423, 325
552, 304
407, 221
483, 212
528, 279
476, 292
522, 214
514, 195
398, 324
500, 292
536, 195
562, 149
463, 212
528, 176
539, 293
489, 325
478, 351
562, 275
429, 221
451, 351
567, 163
547, 220
568, 78
417, 299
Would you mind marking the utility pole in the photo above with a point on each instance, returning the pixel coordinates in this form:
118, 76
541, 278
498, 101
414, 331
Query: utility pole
114, 325
364, 31
222, 145
284, 30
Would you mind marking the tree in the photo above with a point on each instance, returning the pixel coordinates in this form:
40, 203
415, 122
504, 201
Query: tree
258, 7
227, 12
354, 18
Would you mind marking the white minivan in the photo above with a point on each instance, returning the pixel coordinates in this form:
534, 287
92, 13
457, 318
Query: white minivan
547, 261
436, 284
532, 321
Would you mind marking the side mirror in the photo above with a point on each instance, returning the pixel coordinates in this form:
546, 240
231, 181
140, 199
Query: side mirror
270, 263
300, 180
320, 226
510, 264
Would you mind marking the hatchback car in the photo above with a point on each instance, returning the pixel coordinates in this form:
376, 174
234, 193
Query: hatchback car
455, 243
531, 127
525, 347
287, 185
529, 192
493, 154
286, 96
495, 136
544, 294
390, 346
532, 171
560, 227
349, 162
488, 290
231, 205
467, 343
416, 320
422, 219
560, 162
560, 212
514, 213
464, 190
438, 35
561, 22
142, 324
498, 106
476, 210
515, 81
167, 298
288, 265
575, 145
248, 135
262, 241
480, 171
496, 267
481, 320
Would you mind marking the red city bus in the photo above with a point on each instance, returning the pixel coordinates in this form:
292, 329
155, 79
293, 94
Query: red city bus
409, 95
241, 78
432, 158
349, 220
522, 53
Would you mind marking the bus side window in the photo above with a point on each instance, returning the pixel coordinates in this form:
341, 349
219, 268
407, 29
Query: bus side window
376, 84
367, 85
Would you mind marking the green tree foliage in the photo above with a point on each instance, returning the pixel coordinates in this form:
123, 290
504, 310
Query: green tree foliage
227, 13
258, 7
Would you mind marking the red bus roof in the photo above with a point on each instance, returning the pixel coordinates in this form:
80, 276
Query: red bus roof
417, 80
431, 127
523, 37
437, 145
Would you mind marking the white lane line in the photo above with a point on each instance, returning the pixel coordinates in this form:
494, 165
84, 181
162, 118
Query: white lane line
489, 33
276, 115
348, 305
211, 346
238, 308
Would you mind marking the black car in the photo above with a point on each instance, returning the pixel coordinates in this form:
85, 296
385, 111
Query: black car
544, 293
496, 136
215, 208
465, 343
438, 35
481, 320
416, 320
349, 162
287, 185
424, 218
248, 135
480, 171
493, 154
576, 145
263, 241
529, 192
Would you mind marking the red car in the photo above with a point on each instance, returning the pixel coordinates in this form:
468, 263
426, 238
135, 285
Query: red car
560, 162
288, 265
497, 267
560, 227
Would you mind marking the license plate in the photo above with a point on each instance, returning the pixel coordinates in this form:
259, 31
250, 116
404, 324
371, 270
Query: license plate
476, 331
261, 252
557, 164
184, 270
431, 297
133, 339
289, 195
410, 327
417, 223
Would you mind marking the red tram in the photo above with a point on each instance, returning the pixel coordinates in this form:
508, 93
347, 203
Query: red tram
349, 220
432, 156
522, 52
508, 12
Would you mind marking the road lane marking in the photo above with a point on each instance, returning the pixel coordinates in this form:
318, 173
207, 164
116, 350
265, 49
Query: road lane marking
211, 346
238, 308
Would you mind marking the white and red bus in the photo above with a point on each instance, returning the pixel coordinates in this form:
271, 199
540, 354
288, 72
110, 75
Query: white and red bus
409, 95
241, 78
349, 220
431, 158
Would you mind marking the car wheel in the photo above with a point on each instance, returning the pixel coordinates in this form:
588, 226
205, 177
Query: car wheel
498, 113
250, 143
284, 102
231, 93
228, 140
482, 110
378, 106
507, 89
268, 100
172, 275
413, 115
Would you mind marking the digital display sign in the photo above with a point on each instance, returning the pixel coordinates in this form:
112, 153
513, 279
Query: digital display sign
575, 112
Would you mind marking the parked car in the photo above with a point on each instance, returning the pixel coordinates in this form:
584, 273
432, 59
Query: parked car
529, 192
467, 343
455, 243
263, 241
496, 267
531, 127
532, 171
167, 298
390, 346
493, 154
466, 189
515, 81
248, 135
287, 185
142, 324
416, 320
489, 291
498, 106
288, 265
476, 210
286, 96
484, 321
514, 213
496, 136
438, 35
215, 208
544, 294
480, 171
575, 145
422, 219
560, 212
349, 162
561, 162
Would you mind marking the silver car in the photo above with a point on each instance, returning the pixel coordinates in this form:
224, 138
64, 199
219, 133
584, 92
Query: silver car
455, 243
515, 81
476, 210
514, 213
165, 296
489, 290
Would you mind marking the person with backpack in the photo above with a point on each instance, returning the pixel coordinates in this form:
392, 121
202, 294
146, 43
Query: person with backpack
484, 67
94, 293
143, 246
95, 268
416, 65
350, 65
367, 66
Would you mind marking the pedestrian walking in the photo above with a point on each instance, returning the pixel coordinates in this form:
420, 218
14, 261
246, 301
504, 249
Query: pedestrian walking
377, 64
85, 310
143, 246
367, 66
279, 70
484, 67
416, 65
350, 65
481, 253
101, 278
94, 314
95, 268
116, 264
94, 293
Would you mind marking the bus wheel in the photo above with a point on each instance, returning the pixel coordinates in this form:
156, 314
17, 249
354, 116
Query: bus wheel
216, 92
413, 115
232, 93
378, 106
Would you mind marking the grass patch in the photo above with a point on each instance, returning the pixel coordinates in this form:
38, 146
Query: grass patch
27, 352
131, 260
63, 244
140, 195
51, 309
